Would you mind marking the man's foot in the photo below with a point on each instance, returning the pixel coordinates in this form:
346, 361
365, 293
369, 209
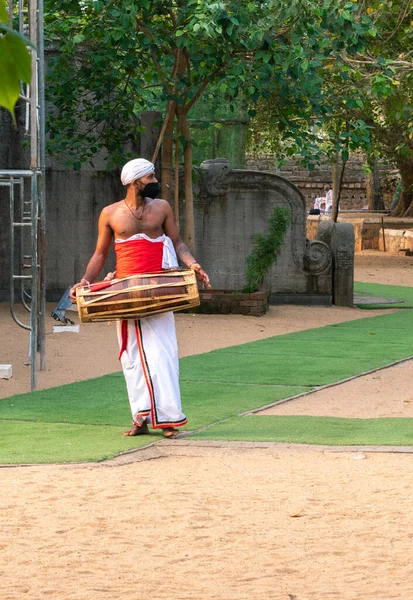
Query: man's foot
137, 430
170, 432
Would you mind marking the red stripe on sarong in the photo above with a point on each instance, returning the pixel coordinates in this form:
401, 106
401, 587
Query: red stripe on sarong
146, 373
124, 336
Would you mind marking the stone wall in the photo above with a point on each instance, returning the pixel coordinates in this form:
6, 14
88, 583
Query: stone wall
371, 232
311, 183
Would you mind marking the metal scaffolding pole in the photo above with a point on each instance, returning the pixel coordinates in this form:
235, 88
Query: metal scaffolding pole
28, 206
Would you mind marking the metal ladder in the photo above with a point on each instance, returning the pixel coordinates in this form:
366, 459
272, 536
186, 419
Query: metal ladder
27, 195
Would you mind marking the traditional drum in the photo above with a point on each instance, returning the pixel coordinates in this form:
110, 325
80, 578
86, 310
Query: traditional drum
137, 296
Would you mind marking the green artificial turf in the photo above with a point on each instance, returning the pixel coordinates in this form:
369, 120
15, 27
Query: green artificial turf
103, 401
312, 357
100, 401
209, 402
330, 431
378, 290
338, 348
28, 443
275, 370
83, 421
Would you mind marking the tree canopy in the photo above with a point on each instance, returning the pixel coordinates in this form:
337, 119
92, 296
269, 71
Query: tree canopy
112, 58
367, 98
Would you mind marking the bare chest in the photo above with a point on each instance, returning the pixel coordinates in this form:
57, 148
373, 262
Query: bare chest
127, 222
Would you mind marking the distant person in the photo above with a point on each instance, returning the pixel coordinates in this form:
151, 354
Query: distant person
328, 199
317, 204
316, 210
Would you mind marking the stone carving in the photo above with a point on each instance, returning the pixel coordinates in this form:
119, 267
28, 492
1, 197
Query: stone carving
340, 238
317, 258
248, 181
213, 177
344, 257
237, 203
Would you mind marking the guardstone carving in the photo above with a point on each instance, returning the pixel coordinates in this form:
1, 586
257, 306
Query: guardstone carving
237, 203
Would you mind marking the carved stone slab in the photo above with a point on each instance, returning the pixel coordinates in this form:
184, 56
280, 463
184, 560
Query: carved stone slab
233, 205
340, 238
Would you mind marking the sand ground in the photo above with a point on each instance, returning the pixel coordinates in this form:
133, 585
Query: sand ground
207, 522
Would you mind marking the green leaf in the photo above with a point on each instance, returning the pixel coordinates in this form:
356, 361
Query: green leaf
5, 28
117, 34
3, 12
14, 53
10, 86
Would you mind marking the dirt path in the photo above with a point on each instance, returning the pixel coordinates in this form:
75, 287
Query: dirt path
213, 523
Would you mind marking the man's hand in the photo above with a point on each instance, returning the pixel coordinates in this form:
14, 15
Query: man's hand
111, 275
200, 275
72, 293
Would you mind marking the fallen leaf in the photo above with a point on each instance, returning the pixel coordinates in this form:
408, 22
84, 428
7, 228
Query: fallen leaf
297, 514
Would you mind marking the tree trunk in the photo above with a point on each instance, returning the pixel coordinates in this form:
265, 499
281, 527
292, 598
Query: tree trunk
167, 150
373, 189
335, 173
183, 129
405, 206
176, 190
338, 177
340, 188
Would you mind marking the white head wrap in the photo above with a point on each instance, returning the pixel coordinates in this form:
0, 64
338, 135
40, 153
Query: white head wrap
135, 169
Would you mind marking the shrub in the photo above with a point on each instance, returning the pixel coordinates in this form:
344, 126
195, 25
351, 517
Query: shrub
265, 249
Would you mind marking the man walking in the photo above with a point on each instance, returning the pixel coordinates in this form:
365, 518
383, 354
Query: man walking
146, 239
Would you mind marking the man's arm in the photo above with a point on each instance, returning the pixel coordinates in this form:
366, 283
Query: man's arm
97, 261
182, 250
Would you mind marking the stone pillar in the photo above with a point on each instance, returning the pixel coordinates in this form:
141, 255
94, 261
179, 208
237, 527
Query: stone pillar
340, 238
151, 121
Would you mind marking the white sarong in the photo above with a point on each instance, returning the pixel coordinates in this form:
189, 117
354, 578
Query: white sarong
151, 369
150, 359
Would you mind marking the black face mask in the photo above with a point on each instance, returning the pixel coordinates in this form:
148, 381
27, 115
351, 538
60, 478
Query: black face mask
151, 190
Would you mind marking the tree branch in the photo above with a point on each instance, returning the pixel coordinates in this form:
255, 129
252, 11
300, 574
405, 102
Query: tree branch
203, 87
169, 114
399, 22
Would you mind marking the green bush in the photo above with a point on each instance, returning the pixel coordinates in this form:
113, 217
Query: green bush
265, 247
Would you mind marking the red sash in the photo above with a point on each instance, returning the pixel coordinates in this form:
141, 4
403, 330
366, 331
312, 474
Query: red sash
138, 256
